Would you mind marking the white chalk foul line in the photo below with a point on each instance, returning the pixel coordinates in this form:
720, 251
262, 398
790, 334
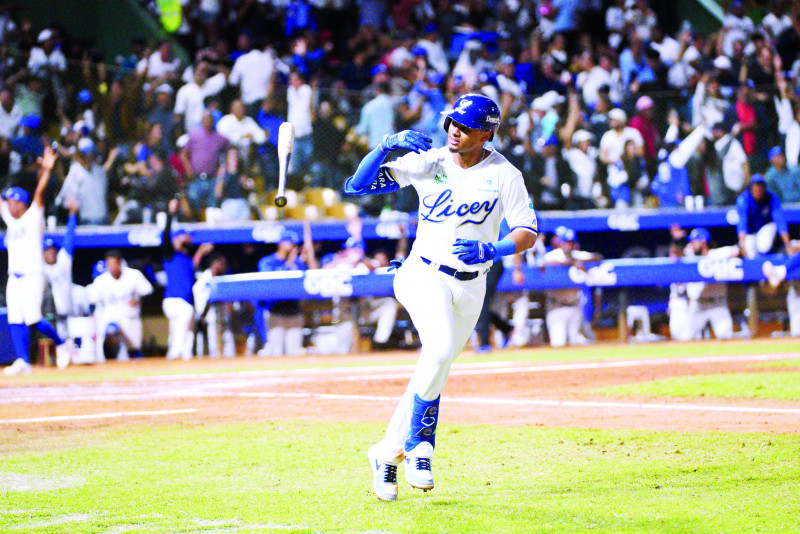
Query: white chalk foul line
537, 402
111, 415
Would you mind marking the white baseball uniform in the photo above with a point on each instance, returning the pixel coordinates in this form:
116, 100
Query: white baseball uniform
793, 307
680, 319
708, 302
201, 291
455, 203
565, 306
117, 302
59, 276
25, 287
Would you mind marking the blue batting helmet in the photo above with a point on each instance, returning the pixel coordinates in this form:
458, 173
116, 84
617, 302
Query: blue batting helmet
17, 193
474, 111
700, 234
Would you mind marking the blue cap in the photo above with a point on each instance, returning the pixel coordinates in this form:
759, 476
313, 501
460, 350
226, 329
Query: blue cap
430, 28
290, 236
17, 193
48, 242
419, 51
757, 179
700, 234
84, 96
99, 268
31, 121
774, 151
377, 69
355, 242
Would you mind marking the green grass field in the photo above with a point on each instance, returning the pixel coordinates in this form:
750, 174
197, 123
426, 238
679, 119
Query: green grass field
301, 476
312, 476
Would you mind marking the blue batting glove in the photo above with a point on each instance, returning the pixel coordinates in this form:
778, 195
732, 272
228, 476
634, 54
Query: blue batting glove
396, 263
472, 252
408, 139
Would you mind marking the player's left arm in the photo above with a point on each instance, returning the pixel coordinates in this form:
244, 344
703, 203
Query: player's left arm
780, 221
48, 160
72, 222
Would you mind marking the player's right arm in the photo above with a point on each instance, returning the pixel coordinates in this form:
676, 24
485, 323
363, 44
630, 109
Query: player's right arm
369, 178
72, 222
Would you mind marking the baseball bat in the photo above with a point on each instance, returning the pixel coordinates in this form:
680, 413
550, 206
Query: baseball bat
285, 142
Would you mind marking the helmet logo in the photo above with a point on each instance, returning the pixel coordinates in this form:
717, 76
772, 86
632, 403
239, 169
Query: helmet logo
463, 105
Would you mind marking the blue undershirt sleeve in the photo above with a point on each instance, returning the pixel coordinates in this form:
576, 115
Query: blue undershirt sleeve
69, 235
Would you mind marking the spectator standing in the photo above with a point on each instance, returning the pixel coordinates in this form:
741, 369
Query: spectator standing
232, 188
612, 144
299, 98
551, 179
761, 218
164, 115
377, 116
203, 154
162, 65
10, 114
117, 295
241, 131
734, 161
781, 179
47, 61
87, 183
190, 99
582, 159
330, 130
643, 122
253, 72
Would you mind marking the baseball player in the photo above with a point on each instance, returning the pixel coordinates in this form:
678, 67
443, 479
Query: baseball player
58, 273
680, 320
708, 301
465, 189
776, 274
117, 294
25, 287
565, 306
209, 315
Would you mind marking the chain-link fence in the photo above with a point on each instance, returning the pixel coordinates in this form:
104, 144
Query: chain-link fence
131, 140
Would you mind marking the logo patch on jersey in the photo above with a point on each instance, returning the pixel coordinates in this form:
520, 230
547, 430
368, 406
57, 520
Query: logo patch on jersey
440, 179
437, 208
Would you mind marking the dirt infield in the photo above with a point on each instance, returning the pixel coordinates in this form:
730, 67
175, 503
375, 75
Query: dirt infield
338, 388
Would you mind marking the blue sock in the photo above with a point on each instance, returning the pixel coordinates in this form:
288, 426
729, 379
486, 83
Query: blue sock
793, 263
424, 417
47, 329
21, 339
134, 353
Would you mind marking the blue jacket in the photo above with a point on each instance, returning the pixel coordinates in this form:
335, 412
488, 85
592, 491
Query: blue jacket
755, 215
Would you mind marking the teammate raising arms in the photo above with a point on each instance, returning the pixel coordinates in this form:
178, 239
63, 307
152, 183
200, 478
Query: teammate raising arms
25, 287
465, 190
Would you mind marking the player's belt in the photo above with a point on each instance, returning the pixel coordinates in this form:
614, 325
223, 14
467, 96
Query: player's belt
458, 275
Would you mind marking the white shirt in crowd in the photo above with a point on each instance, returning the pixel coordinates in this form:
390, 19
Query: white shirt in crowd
189, 101
776, 25
9, 121
612, 144
733, 162
252, 72
299, 113
119, 297
789, 126
39, 60
24, 240
738, 29
437, 58
584, 165
237, 131
157, 67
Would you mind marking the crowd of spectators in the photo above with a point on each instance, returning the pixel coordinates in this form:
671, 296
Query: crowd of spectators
593, 113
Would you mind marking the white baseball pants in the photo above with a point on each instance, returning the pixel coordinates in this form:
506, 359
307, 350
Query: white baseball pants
24, 298
762, 241
444, 311
285, 335
564, 325
181, 319
719, 318
793, 307
680, 320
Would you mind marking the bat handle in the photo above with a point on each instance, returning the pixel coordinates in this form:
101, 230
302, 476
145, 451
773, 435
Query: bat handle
280, 201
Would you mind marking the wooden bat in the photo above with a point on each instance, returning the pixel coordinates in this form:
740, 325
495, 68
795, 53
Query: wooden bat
285, 142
